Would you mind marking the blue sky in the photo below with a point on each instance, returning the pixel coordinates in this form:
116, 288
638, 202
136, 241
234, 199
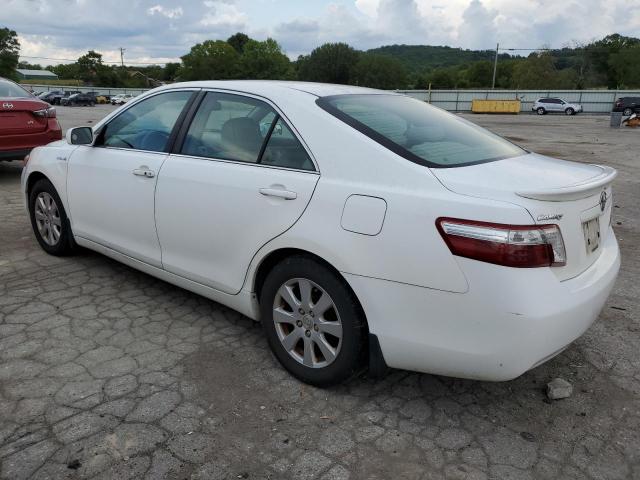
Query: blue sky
163, 30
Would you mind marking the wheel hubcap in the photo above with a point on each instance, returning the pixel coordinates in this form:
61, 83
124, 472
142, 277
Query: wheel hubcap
307, 323
48, 219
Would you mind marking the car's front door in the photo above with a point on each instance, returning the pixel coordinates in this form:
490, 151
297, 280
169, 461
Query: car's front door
240, 178
111, 184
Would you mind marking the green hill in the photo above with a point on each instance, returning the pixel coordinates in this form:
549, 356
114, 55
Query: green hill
422, 58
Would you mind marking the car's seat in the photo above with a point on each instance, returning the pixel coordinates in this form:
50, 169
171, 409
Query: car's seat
241, 139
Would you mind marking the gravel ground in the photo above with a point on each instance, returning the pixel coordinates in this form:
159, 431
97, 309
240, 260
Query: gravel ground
108, 373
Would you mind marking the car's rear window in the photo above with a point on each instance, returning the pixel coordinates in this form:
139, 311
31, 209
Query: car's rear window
418, 131
11, 90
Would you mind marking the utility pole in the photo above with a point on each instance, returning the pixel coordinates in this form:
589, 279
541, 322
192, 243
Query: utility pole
495, 67
122, 57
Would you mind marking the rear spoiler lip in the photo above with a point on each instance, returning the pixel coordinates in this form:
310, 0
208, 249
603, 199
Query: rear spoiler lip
576, 191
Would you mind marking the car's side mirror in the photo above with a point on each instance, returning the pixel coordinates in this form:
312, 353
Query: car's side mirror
79, 136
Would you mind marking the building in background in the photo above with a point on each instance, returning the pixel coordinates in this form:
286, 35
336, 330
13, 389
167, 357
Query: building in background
35, 74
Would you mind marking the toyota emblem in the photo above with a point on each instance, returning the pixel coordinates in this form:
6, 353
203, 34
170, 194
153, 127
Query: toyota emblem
603, 200
7, 105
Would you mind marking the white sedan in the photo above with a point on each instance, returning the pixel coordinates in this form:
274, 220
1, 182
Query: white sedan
357, 225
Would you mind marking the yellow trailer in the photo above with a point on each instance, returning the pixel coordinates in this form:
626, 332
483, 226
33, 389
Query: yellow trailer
495, 106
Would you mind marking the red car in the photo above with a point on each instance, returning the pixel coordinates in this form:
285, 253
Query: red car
25, 121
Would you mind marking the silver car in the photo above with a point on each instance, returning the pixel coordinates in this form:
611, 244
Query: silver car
555, 105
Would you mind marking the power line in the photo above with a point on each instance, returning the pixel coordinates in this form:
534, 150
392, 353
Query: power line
104, 61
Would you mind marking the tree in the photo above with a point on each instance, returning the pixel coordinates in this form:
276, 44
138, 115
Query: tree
443, 78
263, 60
171, 71
538, 71
238, 41
330, 63
29, 66
600, 52
379, 71
625, 66
210, 60
479, 74
9, 53
89, 66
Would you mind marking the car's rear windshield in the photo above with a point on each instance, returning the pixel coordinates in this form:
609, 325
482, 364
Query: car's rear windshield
418, 131
11, 90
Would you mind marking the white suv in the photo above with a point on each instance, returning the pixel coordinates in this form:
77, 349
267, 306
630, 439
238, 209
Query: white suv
551, 105
121, 99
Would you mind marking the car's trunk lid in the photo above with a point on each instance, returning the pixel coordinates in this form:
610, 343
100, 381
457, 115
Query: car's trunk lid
574, 196
17, 117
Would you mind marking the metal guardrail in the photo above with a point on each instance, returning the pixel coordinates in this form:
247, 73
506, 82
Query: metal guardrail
101, 90
592, 101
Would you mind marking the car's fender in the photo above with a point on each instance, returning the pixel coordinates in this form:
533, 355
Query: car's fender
50, 161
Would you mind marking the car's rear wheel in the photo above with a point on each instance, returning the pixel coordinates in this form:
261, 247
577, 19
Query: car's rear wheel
313, 323
627, 112
540, 111
49, 220
569, 111
92, 104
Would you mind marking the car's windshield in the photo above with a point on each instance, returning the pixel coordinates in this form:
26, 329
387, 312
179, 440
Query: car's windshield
11, 90
419, 132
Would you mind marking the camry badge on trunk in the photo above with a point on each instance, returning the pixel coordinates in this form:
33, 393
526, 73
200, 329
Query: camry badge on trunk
552, 216
603, 200
7, 105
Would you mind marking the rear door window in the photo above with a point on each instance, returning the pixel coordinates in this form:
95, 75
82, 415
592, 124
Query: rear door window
245, 129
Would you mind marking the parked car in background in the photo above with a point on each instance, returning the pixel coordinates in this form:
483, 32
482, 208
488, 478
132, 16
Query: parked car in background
25, 121
121, 99
102, 98
627, 105
79, 99
543, 106
54, 97
362, 224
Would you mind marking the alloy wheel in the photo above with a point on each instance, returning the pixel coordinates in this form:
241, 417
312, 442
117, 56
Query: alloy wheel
48, 218
307, 323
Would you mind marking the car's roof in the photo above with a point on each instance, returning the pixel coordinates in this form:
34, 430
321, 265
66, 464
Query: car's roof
263, 87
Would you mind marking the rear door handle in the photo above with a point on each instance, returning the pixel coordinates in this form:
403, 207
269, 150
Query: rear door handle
144, 171
276, 192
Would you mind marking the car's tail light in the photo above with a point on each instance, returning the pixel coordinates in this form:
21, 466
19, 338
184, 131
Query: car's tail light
618, 103
46, 112
25, 160
522, 246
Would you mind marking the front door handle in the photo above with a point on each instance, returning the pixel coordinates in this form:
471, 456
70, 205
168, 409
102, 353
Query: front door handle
144, 171
276, 192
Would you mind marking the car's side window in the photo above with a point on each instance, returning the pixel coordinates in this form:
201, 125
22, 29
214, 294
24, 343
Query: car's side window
147, 125
284, 149
229, 127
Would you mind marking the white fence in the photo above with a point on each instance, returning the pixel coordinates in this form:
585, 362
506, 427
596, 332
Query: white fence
592, 101
100, 90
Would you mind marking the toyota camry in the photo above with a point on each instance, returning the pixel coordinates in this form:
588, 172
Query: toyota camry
361, 227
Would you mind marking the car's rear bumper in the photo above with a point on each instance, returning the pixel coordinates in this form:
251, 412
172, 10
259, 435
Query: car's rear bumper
509, 321
13, 147
9, 155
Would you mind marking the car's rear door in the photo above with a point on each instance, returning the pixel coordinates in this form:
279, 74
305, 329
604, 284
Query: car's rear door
240, 178
111, 184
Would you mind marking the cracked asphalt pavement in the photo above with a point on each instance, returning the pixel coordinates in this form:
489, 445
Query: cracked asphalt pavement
106, 372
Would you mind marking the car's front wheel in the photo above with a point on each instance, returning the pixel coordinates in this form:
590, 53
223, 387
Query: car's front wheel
569, 111
627, 112
49, 220
313, 323
540, 111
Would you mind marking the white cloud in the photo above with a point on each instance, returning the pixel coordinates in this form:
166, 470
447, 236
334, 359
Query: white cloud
157, 30
166, 12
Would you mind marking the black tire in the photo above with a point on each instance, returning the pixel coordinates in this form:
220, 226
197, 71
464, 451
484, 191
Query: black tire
570, 111
627, 112
92, 104
541, 111
65, 244
350, 357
